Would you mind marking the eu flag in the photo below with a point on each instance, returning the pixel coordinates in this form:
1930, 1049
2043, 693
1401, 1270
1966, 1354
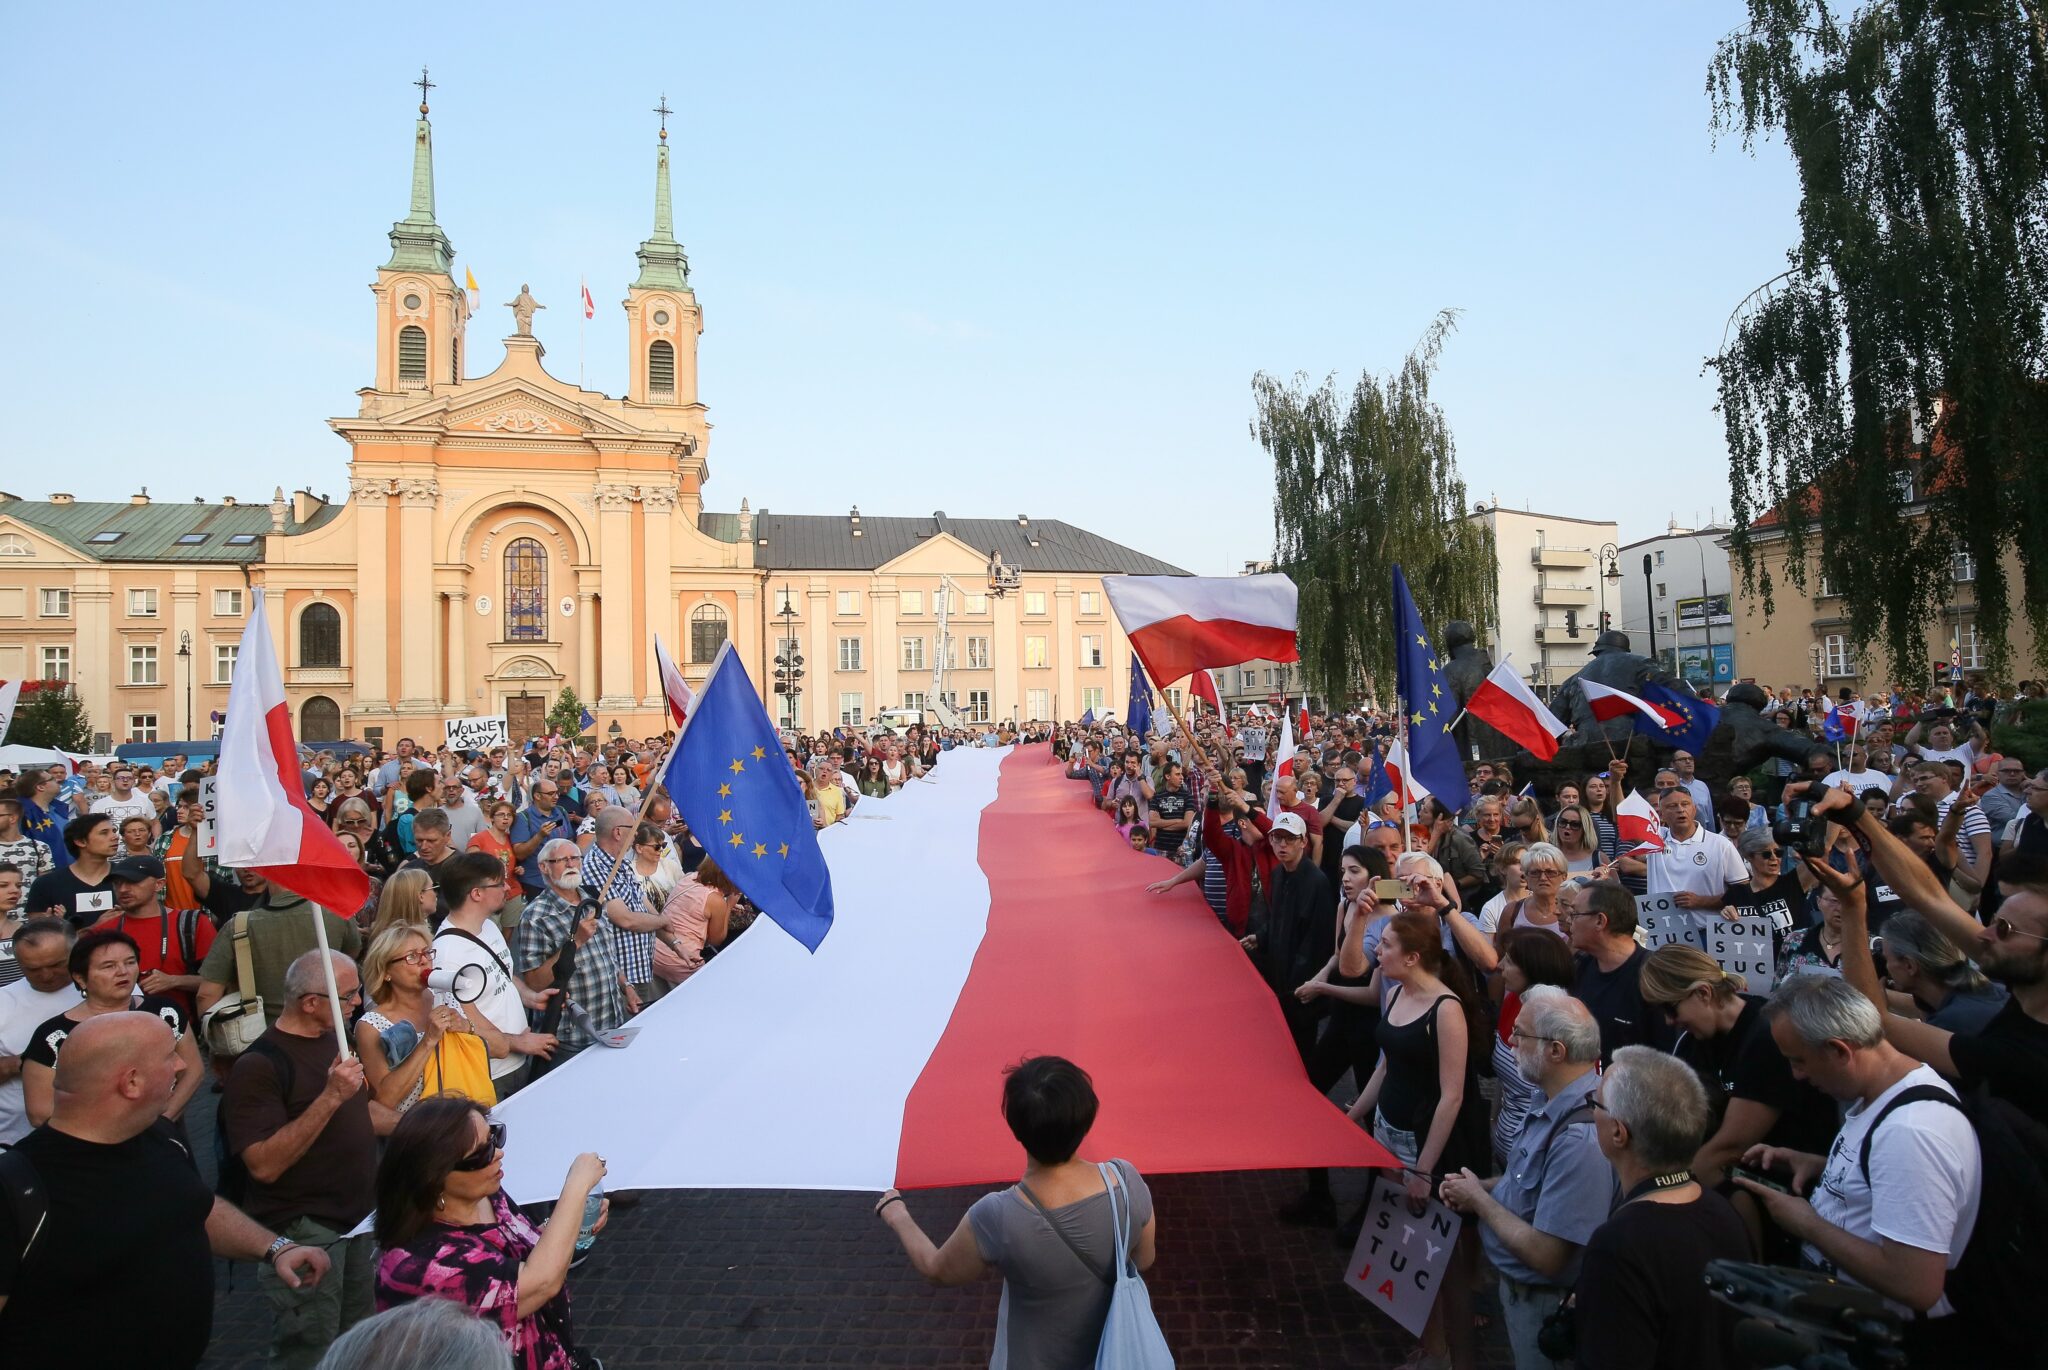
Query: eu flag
1377, 786
1700, 718
1430, 706
732, 782
1138, 717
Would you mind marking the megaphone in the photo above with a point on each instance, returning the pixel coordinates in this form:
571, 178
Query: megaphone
464, 984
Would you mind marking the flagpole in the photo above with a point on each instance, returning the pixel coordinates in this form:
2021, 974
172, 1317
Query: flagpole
582, 322
1408, 761
327, 969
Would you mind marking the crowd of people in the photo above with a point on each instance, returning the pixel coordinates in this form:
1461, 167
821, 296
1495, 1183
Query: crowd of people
1611, 1115
1608, 1116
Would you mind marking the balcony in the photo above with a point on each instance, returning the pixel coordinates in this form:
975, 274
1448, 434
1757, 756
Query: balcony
1561, 558
316, 675
1565, 596
1555, 634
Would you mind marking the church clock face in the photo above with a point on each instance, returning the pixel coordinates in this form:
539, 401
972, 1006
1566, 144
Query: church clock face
661, 318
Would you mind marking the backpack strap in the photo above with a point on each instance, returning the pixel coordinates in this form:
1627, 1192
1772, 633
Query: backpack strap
450, 930
21, 1189
245, 964
1107, 1277
1917, 1094
188, 939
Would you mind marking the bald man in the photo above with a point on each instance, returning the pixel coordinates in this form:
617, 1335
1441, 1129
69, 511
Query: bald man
130, 1224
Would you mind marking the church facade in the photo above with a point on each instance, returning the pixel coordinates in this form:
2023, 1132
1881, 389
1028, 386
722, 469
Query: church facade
507, 535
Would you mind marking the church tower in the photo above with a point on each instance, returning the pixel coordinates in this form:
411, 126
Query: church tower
420, 309
662, 318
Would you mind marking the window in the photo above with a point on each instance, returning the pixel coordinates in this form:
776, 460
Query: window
914, 700
142, 727
1034, 601
1823, 587
1038, 703
1091, 649
912, 601
1272, 678
661, 368
108, 536
977, 654
913, 654
412, 355
1173, 696
1840, 660
526, 591
1969, 647
1660, 556
142, 665
224, 654
849, 654
849, 709
15, 545
1034, 654
56, 663
1663, 623
319, 634
191, 539
1963, 567
55, 604
977, 706
977, 603
319, 720
1660, 589
1091, 700
1091, 602
1247, 680
142, 604
241, 539
707, 633
849, 603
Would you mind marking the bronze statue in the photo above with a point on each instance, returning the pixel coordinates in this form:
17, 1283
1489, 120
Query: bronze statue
1466, 665
1613, 665
522, 311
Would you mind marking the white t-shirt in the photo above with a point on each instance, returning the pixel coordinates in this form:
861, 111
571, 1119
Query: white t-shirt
1705, 863
1856, 782
500, 1001
1965, 754
1925, 1177
136, 805
23, 1009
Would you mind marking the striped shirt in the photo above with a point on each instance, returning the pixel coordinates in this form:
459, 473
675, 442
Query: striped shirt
633, 951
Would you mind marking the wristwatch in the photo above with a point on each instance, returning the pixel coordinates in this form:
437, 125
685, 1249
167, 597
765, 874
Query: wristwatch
278, 1248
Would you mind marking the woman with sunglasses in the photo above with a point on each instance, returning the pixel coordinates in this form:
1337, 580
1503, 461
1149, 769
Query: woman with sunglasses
1577, 838
1600, 795
448, 1231
395, 971
873, 783
1525, 822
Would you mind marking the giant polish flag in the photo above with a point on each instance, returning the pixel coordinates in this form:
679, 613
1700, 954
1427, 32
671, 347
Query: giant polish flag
982, 914
1180, 624
1503, 700
261, 816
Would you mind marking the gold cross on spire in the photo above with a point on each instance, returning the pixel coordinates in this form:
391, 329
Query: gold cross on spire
425, 85
664, 111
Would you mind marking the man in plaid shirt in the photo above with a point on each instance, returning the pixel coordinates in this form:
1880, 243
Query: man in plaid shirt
629, 924
552, 919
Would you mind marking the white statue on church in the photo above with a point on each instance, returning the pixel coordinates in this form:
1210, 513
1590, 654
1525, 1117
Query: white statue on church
522, 311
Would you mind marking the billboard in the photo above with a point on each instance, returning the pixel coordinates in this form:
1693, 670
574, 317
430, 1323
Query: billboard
1691, 663
1710, 611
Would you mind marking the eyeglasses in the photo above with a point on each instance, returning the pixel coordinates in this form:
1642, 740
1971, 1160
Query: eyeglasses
485, 1154
1599, 1104
1522, 1036
2004, 930
423, 957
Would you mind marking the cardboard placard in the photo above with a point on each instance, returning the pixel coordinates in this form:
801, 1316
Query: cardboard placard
208, 837
476, 734
1400, 1258
1741, 945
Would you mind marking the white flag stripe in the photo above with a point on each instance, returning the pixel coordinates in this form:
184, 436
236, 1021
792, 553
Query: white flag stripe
1141, 601
1504, 676
254, 820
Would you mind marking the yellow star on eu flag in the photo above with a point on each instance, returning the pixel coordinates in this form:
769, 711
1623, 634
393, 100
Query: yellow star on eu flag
1435, 690
1432, 706
759, 753
1421, 641
760, 849
725, 815
1417, 720
725, 791
737, 840
782, 850
738, 765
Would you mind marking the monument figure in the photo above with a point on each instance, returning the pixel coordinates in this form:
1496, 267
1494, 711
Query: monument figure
522, 311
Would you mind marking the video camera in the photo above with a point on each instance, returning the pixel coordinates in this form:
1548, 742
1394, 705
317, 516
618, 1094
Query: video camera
1805, 1319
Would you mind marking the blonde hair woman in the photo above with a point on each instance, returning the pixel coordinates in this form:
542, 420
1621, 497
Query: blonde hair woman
408, 899
395, 971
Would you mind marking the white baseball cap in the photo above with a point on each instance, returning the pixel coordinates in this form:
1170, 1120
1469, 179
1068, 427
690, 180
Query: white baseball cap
1291, 823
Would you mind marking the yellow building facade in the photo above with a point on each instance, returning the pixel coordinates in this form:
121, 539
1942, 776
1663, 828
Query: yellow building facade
507, 535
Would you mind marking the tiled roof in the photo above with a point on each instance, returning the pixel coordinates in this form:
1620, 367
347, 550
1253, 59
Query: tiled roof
825, 542
150, 532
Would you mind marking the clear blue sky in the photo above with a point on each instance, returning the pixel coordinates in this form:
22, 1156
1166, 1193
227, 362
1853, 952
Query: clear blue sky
950, 257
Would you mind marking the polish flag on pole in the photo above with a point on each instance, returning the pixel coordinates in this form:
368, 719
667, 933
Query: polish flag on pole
1504, 701
1181, 624
10, 694
1302, 727
1203, 686
589, 306
1407, 789
1609, 703
262, 818
1283, 763
1637, 824
681, 698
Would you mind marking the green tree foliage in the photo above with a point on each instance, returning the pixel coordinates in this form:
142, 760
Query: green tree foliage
1916, 299
566, 717
1363, 481
50, 714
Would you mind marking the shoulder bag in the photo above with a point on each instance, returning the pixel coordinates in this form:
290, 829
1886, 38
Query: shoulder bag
1131, 1339
236, 1019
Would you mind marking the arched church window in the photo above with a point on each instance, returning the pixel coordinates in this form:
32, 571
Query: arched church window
661, 367
412, 355
320, 636
319, 720
455, 361
707, 633
526, 591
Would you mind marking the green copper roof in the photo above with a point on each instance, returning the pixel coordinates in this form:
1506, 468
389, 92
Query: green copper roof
161, 530
662, 263
417, 242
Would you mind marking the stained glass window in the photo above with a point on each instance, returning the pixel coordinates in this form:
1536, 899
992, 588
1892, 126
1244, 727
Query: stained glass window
526, 591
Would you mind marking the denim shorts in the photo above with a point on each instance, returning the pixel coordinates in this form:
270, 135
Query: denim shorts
1405, 1145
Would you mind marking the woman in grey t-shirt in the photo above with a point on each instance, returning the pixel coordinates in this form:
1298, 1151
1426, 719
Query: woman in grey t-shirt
1051, 1235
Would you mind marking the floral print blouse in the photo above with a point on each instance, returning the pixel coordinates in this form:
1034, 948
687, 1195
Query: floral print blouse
477, 1266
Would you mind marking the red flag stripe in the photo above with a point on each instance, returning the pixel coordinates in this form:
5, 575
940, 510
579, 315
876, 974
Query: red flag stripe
1179, 646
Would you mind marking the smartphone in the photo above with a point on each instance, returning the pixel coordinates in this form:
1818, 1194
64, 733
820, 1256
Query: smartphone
1780, 1180
1388, 891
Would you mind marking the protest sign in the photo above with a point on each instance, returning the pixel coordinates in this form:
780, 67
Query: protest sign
208, 837
1400, 1259
476, 734
1254, 743
1741, 944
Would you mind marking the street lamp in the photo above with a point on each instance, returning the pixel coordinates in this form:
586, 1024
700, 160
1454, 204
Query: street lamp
1610, 570
789, 664
185, 665
1650, 600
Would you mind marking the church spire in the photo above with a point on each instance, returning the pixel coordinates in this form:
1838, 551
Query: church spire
417, 242
662, 263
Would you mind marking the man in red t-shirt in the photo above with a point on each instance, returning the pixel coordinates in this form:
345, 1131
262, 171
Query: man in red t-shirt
172, 945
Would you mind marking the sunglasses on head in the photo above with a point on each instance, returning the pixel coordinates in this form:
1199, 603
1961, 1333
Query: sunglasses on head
485, 1154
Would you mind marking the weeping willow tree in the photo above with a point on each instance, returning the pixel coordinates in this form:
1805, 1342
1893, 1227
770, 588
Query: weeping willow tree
1363, 481
1884, 395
